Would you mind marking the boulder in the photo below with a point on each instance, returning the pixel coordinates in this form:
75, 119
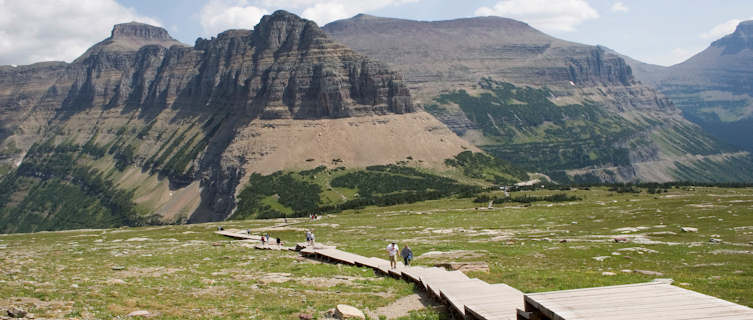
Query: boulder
305, 316
649, 273
344, 311
715, 240
620, 239
689, 229
139, 313
465, 266
16, 312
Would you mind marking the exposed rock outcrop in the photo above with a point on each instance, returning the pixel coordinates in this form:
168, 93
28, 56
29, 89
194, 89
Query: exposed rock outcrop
714, 87
141, 100
441, 57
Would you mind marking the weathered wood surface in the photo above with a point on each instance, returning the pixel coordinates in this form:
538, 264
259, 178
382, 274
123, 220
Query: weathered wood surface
454, 287
651, 300
475, 299
273, 247
238, 234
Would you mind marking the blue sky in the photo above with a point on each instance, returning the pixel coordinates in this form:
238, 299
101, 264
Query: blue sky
657, 31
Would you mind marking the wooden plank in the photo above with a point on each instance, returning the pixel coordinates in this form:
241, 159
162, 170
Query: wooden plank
503, 308
502, 305
456, 294
337, 255
237, 234
483, 298
413, 273
647, 300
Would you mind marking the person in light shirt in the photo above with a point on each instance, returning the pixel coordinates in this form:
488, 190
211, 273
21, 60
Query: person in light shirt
392, 251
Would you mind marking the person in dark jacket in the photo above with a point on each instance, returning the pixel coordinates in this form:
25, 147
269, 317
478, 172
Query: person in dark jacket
407, 254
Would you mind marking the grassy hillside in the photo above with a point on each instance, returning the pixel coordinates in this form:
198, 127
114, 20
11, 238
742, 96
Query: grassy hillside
577, 143
324, 190
54, 189
523, 126
538, 247
70, 186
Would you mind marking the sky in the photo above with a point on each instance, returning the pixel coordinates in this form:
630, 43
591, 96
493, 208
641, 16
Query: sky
662, 32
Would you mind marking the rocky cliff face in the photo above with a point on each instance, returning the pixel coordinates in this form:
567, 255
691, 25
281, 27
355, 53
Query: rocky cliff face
441, 54
494, 59
180, 126
713, 88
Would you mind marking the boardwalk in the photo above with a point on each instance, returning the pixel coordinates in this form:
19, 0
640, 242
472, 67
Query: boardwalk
470, 298
651, 300
238, 234
466, 298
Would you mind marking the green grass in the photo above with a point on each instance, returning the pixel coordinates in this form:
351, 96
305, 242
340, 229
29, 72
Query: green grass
178, 273
322, 190
524, 127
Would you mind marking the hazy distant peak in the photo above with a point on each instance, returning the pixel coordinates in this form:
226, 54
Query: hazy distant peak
737, 41
139, 30
363, 16
131, 36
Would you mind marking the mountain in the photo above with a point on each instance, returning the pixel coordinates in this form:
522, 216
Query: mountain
143, 129
572, 111
714, 88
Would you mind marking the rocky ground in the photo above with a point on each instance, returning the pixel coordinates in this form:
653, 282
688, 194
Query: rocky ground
702, 238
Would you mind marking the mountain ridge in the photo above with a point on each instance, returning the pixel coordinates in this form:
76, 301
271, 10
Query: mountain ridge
471, 62
713, 87
180, 128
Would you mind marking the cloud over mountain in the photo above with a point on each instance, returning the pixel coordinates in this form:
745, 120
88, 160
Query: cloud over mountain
546, 15
219, 15
39, 30
722, 29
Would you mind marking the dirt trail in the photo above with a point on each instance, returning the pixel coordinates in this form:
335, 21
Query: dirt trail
403, 306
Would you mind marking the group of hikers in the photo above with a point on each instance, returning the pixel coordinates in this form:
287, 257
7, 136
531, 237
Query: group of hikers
392, 249
265, 239
392, 252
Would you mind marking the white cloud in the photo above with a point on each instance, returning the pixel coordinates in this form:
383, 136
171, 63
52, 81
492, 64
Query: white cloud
619, 7
722, 29
220, 15
323, 12
42, 30
562, 15
682, 54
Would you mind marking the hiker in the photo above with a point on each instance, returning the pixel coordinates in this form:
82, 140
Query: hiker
279, 242
310, 238
407, 254
263, 240
392, 250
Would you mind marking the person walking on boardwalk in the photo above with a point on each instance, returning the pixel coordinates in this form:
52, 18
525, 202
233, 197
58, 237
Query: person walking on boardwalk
407, 254
392, 251
310, 238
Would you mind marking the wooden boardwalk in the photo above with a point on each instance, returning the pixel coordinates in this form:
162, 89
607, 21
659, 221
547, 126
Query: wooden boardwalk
238, 234
462, 294
470, 298
651, 300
